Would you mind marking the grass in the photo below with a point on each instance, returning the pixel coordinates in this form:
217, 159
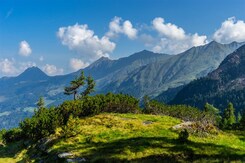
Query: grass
138, 138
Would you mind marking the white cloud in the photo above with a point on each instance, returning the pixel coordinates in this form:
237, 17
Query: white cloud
24, 49
168, 30
173, 39
77, 64
24, 65
171, 46
41, 58
117, 26
85, 42
230, 30
9, 67
52, 70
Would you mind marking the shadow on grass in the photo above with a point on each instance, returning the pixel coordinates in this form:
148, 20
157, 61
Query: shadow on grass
11, 150
240, 134
174, 151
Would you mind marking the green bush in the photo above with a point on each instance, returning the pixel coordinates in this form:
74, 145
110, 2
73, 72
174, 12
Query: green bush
184, 112
12, 135
71, 128
92, 105
42, 124
183, 136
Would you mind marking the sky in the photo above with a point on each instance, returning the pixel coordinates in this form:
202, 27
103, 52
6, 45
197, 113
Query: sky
63, 36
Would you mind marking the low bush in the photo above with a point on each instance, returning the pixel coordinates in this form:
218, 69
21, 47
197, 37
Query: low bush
183, 136
92, 105
12, 135
71, 128
184, 112
42, 124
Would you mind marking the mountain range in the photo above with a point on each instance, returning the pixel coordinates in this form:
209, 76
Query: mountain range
221, 86
142, 73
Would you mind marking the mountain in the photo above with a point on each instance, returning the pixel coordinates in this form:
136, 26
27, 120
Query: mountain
142, 73
18, 95
106, 70
156, 77
223, 85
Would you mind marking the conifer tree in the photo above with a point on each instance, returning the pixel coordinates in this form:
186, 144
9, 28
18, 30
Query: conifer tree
75, 85
229, 117
41, 103
90, 86
79, 82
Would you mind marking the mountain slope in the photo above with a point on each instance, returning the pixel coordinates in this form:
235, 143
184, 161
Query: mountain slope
156, 77
223, 85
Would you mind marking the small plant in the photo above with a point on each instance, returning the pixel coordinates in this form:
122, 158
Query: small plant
183, 136
12, 135
71, 129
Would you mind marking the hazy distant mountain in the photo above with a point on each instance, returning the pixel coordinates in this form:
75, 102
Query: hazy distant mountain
143, 73
223, 85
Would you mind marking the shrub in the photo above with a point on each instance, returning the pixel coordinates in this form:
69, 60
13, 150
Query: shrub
42, 124
183, 136
184, 112
92, 105
71, 128
12, 135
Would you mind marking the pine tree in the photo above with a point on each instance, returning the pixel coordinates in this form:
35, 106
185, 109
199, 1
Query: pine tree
79, 82
229, 117
242, 121
239, 117
90, 86
75, 85
41, 103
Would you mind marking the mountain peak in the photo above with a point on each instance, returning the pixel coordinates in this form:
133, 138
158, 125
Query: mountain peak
214, 43
99, 62
32, 74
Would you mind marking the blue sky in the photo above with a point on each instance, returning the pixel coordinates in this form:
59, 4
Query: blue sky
61, 36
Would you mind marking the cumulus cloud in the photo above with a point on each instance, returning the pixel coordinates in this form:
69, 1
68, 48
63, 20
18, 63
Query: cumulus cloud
24, 49
167, 29
9, 67
52, 70
118, 26
85, 42
173, 39
77, 64
230, 30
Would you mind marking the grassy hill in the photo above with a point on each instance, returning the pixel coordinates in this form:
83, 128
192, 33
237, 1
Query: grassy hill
130, 137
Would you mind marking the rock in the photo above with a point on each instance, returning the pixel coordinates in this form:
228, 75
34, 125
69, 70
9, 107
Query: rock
182, 125
75, 160
43, 144
65, 155
147, 122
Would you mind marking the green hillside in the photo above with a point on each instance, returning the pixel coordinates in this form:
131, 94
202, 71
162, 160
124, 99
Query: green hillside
130, 137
